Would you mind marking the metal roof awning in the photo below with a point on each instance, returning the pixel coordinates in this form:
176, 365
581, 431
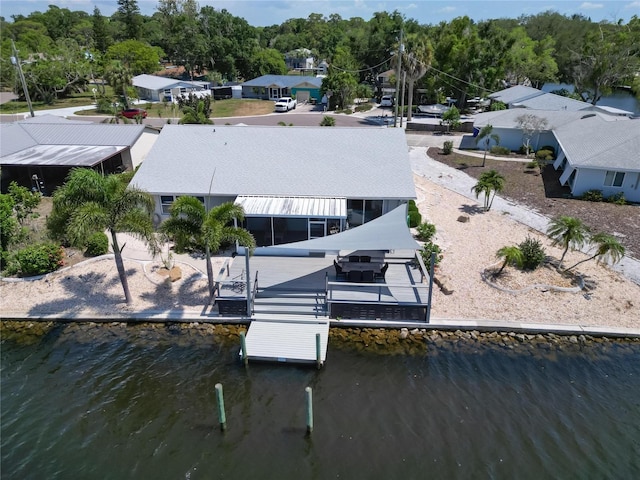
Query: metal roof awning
388, 232
61, 155
268, 206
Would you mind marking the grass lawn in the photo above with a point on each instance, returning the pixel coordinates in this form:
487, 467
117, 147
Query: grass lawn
76, 100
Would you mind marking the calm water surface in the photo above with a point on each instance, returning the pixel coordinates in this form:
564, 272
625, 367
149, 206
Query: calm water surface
119, 407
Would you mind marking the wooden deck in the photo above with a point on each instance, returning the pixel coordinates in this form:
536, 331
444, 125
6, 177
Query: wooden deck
307, 286
290, 341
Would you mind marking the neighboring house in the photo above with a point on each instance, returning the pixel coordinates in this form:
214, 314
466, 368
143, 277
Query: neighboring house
386, 82
521, 96
294, 183
299, 59
40, 152
156, 89
596, 154
595, 150
272, 87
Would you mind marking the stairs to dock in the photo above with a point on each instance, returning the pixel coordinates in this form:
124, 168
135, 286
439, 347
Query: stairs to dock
272, 301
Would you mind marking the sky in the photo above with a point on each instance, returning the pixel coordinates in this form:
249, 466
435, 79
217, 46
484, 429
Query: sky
260, 13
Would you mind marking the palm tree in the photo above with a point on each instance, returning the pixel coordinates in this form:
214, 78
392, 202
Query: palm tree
415, 64
195, 115
568, 232
89, 202
512, 256
608, 249
119, 77
191, 226
486, 134
490, 183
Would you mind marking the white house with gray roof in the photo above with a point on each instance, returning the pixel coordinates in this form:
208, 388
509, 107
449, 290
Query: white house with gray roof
343, 178
156, 89
596, 154
48, 147
272, 87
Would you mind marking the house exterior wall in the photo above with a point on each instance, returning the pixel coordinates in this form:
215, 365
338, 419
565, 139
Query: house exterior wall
513, 139
594, 179
148, 94
312, 93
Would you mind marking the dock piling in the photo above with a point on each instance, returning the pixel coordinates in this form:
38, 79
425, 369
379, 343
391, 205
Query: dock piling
243, 347
221, 414
318, 352
309, 395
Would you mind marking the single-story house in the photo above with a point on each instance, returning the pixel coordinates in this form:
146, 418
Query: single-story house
39, 152
596, 154
157, 89
272, 87
294, 183
520, 96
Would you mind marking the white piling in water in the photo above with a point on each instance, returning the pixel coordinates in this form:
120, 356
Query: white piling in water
309, 395
318, 353
221, 414
243, 347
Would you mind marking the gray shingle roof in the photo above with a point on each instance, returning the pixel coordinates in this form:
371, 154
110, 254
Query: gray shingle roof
596, 143
154, 82
515, 94
283, 81
551, 101
285, 161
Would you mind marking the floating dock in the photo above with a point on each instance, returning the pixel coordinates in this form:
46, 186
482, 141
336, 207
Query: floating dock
287, 340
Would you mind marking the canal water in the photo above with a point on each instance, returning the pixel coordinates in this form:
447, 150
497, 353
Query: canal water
619, 98
114, 405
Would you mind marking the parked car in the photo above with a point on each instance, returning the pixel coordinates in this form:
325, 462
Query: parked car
285, 104
386, 101
134, 112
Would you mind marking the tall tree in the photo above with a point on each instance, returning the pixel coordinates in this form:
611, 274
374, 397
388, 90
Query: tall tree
129, 12
101, 40
119, 77
193, 227
89, 202
485, 136
569, 232
489, 184
415, 64
138, 57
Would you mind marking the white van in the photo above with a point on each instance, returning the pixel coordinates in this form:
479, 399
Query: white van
386, 101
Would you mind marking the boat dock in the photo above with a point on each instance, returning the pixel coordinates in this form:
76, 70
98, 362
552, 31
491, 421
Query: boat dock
292, 340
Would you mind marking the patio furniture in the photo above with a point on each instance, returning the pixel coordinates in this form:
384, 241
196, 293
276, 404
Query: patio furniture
354, 276
383, 271
367, 276
339, 272
361, 267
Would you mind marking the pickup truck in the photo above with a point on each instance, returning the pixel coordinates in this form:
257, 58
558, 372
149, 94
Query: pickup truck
285, 104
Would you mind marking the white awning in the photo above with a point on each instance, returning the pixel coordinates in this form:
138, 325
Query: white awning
261, 206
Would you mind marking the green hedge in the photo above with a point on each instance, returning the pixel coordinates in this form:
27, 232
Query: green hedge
39, 259
98, 244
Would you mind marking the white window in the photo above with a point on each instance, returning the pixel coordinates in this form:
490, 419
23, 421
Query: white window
165, 202
613, 179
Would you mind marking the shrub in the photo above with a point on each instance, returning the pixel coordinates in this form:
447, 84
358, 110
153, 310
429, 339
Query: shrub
533, 253
98, 244
414, 218
364, 107
531, 165
426, 231
550, 148
39, 259
447, 147
426, 251
592, 196
617, 198
500, 150
328, 121
496, 106
524, 150
545, 155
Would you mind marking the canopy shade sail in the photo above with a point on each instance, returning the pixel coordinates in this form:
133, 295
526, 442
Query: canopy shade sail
388, 232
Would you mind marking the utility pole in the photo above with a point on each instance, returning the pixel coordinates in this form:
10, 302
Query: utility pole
400, 52
16, 61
